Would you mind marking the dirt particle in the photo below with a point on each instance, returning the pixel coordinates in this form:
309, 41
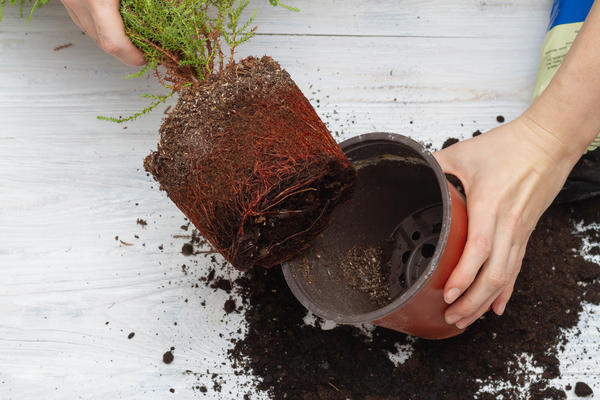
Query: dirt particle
168, 357
63, 46
449, 142
582, 389
187, 249
141, 222
131, 335
222, 284
229, 306
500, 119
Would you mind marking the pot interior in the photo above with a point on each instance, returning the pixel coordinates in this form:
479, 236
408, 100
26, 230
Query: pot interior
380, 241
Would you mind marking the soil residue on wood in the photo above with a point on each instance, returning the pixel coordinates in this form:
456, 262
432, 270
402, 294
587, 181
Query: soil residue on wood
298, 361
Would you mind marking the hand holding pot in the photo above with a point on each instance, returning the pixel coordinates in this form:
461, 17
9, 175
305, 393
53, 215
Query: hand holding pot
101, 20
510, 175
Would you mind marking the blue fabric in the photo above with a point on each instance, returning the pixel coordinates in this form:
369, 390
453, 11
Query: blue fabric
569, 11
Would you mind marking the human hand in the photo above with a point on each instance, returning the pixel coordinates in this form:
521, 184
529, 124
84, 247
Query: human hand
510, 175
101, 20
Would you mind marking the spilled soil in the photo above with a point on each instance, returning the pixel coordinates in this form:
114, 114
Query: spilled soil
294, 360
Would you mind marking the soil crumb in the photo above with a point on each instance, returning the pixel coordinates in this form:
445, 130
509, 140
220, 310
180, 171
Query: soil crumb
583, 390
229, 306
365, 269
449, 142
168, 357
187, 249
141, 222
222, 283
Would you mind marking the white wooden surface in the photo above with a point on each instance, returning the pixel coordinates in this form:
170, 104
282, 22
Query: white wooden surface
70, 183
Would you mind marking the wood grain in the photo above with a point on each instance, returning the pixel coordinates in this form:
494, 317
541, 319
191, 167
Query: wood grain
70, 183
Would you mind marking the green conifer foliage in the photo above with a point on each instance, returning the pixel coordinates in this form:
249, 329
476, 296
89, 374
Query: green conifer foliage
191, 39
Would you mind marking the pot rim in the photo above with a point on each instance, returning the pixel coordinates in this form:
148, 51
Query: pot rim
358, 142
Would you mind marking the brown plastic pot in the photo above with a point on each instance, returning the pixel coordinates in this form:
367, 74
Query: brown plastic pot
402, 198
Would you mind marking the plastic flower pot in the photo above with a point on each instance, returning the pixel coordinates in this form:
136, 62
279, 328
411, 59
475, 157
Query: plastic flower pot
404, 203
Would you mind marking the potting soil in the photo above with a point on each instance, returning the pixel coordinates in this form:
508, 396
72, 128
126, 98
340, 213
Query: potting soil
293, 360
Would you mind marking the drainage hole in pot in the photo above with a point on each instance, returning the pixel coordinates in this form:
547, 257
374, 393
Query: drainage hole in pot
427, 250
405, 256
416, 235
437, 228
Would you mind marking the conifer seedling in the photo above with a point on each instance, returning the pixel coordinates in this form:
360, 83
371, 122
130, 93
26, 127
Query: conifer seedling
243, 154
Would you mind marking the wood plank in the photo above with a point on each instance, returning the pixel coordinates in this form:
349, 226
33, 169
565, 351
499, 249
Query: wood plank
70, 183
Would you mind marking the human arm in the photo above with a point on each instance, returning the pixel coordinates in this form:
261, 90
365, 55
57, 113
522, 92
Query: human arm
512, 173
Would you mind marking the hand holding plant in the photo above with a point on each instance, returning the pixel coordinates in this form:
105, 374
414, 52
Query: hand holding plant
101, 21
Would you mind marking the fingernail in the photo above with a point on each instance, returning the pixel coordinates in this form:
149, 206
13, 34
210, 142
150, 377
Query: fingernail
463, 323
451, 295
501, 309
452, 318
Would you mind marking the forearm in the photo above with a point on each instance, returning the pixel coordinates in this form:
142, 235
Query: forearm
569, 109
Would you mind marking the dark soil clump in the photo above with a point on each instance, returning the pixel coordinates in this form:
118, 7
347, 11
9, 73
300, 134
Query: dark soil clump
583, 390
449, 142
248, 161
297, 361
229, 306
187, 249
168, 357
222, 283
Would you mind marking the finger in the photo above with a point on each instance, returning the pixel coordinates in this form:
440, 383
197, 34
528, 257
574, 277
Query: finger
73, 16
111, 33
481, 226
84, 20
466, 322
499, 305
516, 259
493, 279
